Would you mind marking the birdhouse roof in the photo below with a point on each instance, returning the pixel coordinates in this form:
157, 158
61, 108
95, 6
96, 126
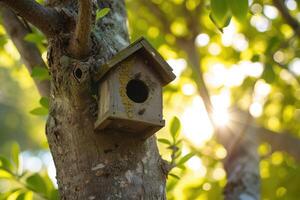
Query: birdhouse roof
160, 66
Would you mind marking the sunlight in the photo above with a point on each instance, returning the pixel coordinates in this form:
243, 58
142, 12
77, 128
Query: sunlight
195, 164
214, 49
12, 50
260, 22
216, 75
291, 4
31, 163
222, 100
221, 104
221, 118
256, 109
256, 8
253, 69
270, 11
234, 76
239, 43
202, 40
188, 89
286, 76
279, 56
295, 66
178, 65
261, 91
228, 33
219, 173
195, 123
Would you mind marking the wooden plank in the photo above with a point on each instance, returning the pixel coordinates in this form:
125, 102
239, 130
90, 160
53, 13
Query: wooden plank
104, 98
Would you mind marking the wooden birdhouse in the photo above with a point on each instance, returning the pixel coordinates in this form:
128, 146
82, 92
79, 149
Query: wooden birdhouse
130, 91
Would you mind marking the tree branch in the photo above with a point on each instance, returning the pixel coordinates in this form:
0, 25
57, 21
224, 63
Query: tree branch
48, 20
281, 142
190, 48
279, 4
29, 52
79, 45
161, 16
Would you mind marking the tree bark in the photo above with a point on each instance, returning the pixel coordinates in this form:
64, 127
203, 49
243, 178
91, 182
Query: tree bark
93, 165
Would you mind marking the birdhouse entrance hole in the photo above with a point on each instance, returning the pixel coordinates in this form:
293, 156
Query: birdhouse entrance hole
137, 91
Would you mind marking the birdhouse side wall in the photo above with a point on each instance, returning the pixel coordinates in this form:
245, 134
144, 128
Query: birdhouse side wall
104, 98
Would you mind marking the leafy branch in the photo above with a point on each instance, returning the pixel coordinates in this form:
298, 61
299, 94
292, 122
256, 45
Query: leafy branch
177, 160
25, 182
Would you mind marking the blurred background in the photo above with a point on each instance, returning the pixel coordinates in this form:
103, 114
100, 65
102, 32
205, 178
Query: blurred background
253, 64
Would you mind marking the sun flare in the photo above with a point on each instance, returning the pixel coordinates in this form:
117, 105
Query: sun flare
221, 117
197, 126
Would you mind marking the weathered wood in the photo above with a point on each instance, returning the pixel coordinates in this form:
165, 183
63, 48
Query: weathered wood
145, 51
120, 110
105, 96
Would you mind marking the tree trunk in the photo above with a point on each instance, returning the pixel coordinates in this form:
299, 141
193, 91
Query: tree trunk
92, 165
242, 161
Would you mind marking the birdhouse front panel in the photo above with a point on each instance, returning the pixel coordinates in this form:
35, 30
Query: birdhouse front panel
139, 94
132, 94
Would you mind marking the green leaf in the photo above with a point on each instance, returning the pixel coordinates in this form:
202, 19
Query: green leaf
34, 37
5, 174
177, 154
6, 164
25, 196
175, 126
101, 13
3, 40
185, 158
15, 153
220, 12
40, 73
44, 101
239, 9
269, 74
164, 141
11, 194
174, 176
40, 111
273, 44
36, 183
54, 195
255, 58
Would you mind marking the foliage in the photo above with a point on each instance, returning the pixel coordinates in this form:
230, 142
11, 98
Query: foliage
253, 64
43, 109
23, 184
177, 159
223, 10
101, 13
40, 73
